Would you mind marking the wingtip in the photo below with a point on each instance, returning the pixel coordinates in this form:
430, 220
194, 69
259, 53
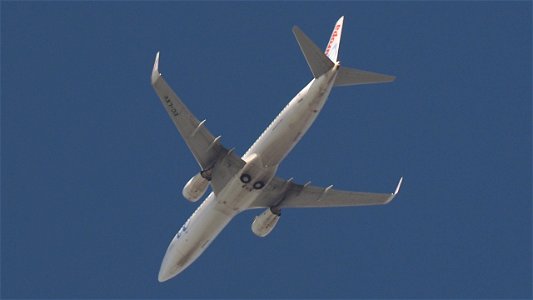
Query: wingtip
398, 186
155, 70
295, 29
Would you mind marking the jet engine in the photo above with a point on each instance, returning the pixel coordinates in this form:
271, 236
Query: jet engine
265, 222
195, 188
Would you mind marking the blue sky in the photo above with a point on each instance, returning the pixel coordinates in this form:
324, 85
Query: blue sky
92, 167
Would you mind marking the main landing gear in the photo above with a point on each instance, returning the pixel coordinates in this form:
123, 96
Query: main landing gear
245, 178
258, 185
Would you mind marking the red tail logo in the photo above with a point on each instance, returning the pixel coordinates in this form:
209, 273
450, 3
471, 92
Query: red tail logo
333, 36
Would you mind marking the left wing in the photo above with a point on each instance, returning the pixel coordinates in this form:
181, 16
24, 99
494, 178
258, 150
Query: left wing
280, 193
218, 163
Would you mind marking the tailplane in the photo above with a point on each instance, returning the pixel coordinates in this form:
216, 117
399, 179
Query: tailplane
321, 62
350, 76
318, 62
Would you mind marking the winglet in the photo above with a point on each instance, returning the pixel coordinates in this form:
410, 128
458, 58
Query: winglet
395, 192
398, 187
155, 70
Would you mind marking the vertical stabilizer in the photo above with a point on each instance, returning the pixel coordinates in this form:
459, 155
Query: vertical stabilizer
320, 62
332, 49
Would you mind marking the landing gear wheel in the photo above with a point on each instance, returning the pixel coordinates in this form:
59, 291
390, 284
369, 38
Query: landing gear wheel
258, 185
246, 178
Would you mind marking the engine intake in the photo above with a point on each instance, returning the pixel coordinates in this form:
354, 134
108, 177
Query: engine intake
195, 188
265, 222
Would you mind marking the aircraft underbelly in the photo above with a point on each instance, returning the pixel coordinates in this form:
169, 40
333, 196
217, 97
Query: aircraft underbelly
293, 122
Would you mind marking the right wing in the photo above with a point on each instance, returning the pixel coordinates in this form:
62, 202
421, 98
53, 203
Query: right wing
219, 163
280, 193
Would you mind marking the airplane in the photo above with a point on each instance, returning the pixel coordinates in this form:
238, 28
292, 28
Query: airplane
249, 182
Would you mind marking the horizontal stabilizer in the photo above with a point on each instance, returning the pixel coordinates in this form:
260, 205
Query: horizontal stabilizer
350, 76
318, 62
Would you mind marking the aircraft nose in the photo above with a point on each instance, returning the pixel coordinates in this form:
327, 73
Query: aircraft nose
164, 274
169, 267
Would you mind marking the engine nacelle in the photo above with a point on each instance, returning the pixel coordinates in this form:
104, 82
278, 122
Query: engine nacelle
265, 222
195, 188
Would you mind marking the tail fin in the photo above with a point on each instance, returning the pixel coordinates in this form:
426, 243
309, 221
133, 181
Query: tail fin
320, 62
332, 49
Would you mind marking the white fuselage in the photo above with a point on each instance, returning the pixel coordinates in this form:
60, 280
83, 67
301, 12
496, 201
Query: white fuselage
263, 159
